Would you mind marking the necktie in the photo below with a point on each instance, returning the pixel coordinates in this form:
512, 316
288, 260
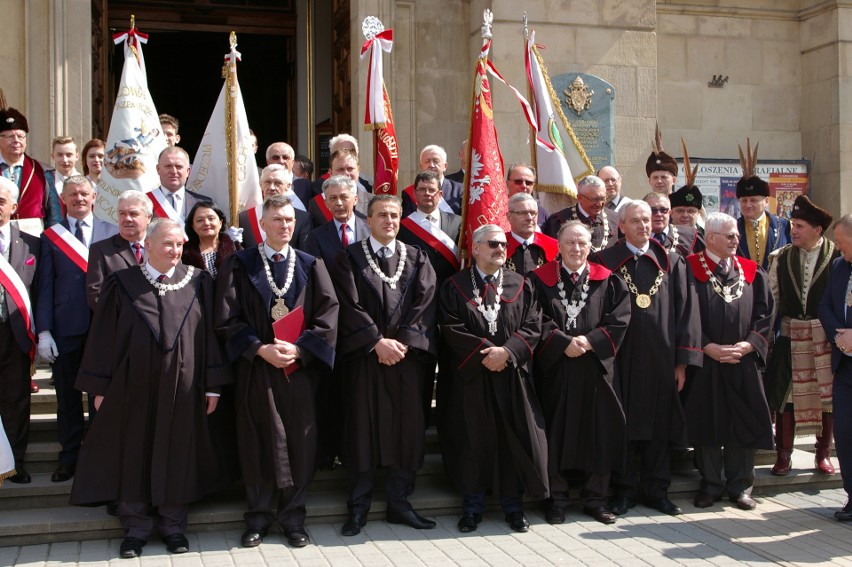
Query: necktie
171, 198
137, 251
277, 257
574, 277
660, 237
431, 219
78, 232
489, 280
384, 252
344, 234
2, 244
161, 278
638, 255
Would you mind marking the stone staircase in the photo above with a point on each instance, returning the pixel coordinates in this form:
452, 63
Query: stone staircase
39, 512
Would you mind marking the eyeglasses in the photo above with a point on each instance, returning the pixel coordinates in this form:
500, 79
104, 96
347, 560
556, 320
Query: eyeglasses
659, 210
427, 190
593, 200
732, 237
495, 244
524, 213
12, 135
524, 182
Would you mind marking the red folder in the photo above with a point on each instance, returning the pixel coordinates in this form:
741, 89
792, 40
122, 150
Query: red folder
288, 328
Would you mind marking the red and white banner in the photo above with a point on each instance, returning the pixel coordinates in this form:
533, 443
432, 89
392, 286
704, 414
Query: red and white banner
15, 288
485, 198
378, 116
69, 245
135, 141
559, 156
434, 237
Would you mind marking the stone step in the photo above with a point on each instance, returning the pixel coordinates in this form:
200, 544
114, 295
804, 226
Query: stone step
48, 518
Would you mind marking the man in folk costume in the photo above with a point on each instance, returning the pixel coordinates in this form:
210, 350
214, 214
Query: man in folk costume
432, 230
62, 314
125, 249
687, 204
386, 341
664, 337
798, 377
761, 233
591, 211
586, 310
529, 249
835, 314
275, 179
38, 198
660, 167
490, 422
276, 416
19, 253
154, 365
726, 411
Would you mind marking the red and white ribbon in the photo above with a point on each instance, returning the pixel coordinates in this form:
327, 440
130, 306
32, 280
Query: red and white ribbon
15, 288
69, 245
375, 113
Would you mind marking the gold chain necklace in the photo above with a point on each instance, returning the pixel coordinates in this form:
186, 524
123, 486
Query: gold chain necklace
643, 300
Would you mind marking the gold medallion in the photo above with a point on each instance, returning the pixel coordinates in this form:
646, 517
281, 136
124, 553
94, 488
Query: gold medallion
643, 300
279, 310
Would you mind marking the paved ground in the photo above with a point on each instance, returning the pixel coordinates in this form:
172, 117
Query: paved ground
795, 528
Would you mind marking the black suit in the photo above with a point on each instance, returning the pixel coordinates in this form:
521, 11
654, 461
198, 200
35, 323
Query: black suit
451, 226
457, 176
451, 193
300, 233
189, 201
16, 345
105, 257
324, 241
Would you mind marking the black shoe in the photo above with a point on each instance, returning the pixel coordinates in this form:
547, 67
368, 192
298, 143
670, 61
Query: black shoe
845, 513
63, 472
665, 506
131, 547
353, 525
253, 537
297, 536
410, 518
518, 522
704, 500
112, 508
327, 463
469, 522
621, 505
554, 515
601, 514
176, 543
744, 502
21, 475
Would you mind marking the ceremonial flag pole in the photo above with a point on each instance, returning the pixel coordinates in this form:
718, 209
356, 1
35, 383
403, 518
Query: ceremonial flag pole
134, 141
378, 116
558, 155
224, 168
485, 199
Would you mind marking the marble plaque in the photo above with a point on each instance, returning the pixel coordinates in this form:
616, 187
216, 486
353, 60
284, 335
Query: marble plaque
588, 104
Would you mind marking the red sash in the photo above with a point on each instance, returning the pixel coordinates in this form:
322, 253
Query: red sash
15, 288
254, 224
75, 250
432, 241
549, 271
326, 212
162, 208
748, 266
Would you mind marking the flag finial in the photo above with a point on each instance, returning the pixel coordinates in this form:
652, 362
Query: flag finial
371, 27
487, 21
232, 39
133, 21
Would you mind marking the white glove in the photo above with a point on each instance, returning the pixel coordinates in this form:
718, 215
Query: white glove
236, 234
47, 347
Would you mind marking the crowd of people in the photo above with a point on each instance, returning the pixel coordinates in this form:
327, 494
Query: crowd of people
578, 349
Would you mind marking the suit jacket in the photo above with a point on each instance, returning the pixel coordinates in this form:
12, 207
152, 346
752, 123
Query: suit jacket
777, 236
61, 291
304, 226
451, 226
833, 313
24, 259
318, 218
105, 257
324, 241
191, 199
305, 189
452, 194
457, 176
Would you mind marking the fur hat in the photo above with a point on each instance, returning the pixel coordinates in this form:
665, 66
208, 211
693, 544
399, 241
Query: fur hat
11, 119
750, 185
804, 209
659, 160
689, 195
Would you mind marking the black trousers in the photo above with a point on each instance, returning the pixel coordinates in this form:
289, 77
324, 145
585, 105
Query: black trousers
651, 476
842, 401
290, 512
137, 521
14, 392
398, 486
69, 401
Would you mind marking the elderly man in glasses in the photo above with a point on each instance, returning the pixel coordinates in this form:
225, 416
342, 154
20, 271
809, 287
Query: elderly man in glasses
490, 422
591, 211
521, 178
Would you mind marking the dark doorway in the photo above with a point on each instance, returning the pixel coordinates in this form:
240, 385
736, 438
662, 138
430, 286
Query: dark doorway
185, 79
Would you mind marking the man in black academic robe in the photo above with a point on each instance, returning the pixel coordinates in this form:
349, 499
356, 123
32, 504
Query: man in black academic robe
387, 342
664, 337
586, 310
276, 414
727, 414
490, 422
151, 358
528, 248
590, 210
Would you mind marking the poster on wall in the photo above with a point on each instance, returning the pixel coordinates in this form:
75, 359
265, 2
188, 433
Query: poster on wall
717, 180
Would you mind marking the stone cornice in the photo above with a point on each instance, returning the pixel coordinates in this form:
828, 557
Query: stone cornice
818, 8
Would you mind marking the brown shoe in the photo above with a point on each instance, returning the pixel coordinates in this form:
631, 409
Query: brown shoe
704, 500
744, 502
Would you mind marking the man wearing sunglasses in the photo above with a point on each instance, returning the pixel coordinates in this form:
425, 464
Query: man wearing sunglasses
591, 211
521, 179
490, 421
682, 239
